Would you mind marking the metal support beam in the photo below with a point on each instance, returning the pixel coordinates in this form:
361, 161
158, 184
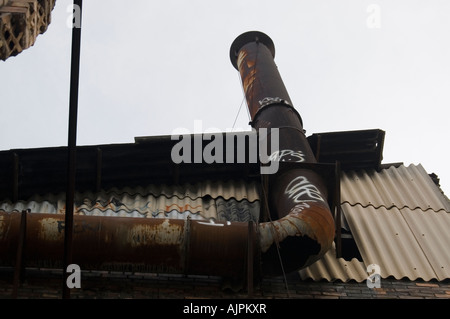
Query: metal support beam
19, 268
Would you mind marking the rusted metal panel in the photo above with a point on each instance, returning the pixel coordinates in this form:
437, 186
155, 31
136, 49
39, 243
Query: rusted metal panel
218, 248
98, 242
155, 245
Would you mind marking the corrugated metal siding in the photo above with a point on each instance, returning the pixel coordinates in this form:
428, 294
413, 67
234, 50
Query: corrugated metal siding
232, 200
399, 220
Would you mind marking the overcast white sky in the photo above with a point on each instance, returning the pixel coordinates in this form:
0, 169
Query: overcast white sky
150, 67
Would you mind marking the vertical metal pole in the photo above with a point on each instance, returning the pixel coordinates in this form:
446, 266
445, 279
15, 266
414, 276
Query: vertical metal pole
319, 141
337, 199
15, 178
250, 259
19, 267
98, 180
71, 166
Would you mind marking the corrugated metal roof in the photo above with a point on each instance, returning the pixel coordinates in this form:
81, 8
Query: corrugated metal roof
331, 268
399, 220
231, 200
238, 190
397, 187
404, 242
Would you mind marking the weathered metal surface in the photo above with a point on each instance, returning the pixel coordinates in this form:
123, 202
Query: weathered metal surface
133, 166
223, 200
302, 228
19, 267
403, 187
98, 242
115, 243
218, 249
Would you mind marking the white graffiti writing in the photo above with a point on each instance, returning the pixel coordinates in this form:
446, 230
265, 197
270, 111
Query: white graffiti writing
297, 209
300, 187
269, 100
272, 100
287, 156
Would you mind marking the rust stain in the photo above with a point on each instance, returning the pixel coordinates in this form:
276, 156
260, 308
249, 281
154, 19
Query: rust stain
241, 58
49, 229
314, 222
249, 80
181, 208
165, 233
3, 226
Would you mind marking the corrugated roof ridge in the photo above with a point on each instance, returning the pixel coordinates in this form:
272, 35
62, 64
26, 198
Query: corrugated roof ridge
201, 189
143, 214
404, 243
331, 268
397, 207
132, 213
179, 191
411, 278
394, 185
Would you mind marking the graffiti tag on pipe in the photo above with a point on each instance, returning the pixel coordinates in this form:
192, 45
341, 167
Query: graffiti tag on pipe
287, 156
272, 100
301, 190
298, 208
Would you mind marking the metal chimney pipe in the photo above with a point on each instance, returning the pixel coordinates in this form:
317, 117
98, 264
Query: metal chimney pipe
303, 230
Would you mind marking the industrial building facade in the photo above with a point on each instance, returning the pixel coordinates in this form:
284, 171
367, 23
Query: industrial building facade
331, 221
394, 216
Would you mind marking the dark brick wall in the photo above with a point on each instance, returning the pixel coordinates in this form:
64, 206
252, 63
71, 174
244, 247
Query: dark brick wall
47, 284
